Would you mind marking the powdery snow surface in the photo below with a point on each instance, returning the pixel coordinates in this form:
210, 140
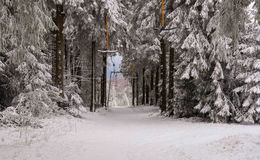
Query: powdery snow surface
130, 134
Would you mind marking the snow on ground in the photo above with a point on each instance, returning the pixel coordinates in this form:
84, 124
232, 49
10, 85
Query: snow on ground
130, 134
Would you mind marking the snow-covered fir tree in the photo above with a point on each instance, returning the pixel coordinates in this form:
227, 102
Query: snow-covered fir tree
206, 63
249, 70
24, 29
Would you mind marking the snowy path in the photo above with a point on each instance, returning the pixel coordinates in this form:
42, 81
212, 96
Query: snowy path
130, 134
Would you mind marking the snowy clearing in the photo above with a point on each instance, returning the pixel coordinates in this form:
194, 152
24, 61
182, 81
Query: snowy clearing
130, 134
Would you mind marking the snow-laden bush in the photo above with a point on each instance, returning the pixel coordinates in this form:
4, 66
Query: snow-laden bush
29, 107
10, 118
72, 95
36, 104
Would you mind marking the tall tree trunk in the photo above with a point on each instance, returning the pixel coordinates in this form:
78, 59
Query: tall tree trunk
97, 91
95, 76
133, 91
152, 87
65, 58
60, 48
54, 55
171, 70
171, 76
157, 79
93, 97
104, 81
68, 60
78, 70
143, 101
72, 65
101, 91
137, 89
163, 95
147, 92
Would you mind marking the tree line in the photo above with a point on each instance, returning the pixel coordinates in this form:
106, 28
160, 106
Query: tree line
201, 60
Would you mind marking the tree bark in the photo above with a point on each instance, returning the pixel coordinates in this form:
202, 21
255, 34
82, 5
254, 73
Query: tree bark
163, 95
133, 91
157, 79
93, 96
143, 101
68, 61
147, 93
95, 76
78, 71
104, 82
54, 55
152, 87
171, 75
60, 49
137, 89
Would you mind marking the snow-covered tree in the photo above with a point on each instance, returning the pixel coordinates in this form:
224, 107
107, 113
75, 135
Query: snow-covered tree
24, 25
249, 70
24, 29
206, 64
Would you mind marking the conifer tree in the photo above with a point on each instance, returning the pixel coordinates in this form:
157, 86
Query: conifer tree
249, 70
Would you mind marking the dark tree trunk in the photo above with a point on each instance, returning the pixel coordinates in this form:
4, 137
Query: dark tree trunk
104, 81
157, 79
171, 75
53, 46
66, 54
147, 94
54, 55
68, 61
152, 88
97, 90
60, 49
143, 100
133, 91
163, 95
95, 77
72, 64
78, 71
137, 89
93, 97
101, 91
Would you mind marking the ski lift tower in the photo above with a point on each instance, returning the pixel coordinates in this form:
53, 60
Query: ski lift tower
105, 54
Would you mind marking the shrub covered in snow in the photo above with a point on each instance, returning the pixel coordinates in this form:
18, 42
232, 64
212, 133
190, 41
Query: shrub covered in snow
35, 104
75, 102
10, 118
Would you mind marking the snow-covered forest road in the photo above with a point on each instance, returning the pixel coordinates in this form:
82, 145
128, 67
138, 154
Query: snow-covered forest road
130, 134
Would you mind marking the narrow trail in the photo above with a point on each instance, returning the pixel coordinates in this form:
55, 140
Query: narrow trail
132, 134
